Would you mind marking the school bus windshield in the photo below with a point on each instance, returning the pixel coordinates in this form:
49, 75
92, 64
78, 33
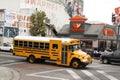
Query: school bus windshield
74, 47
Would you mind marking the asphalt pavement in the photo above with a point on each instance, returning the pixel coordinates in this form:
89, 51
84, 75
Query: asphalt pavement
9, 74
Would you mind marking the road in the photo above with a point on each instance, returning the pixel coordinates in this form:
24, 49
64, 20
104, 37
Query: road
51, 71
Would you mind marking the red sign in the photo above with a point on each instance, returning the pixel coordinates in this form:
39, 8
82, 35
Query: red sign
117, 10
108, 32
76, 27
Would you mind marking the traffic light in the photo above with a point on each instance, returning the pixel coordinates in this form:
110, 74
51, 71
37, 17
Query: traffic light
113, 17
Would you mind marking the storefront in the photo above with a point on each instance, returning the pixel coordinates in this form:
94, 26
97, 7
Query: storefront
91, 35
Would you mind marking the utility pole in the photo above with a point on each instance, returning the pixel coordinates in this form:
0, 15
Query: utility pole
117, 30
18, 25
118, 36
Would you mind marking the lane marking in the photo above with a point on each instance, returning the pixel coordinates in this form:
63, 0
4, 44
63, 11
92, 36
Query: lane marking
107, 75
74, 75
12, 64
93, 77
38, 74
98, 65
48, 71
7, 61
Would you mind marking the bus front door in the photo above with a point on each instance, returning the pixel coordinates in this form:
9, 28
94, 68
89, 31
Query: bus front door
64, 55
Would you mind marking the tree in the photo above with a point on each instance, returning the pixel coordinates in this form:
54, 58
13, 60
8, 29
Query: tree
38, 23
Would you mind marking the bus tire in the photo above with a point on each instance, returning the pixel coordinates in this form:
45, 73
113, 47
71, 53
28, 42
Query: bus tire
41, 60
32, 59
75, 63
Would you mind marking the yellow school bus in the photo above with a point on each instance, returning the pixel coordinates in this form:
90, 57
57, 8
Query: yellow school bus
64, 51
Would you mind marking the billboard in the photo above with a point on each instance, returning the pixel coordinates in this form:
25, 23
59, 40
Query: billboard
14, 19
10, 32
58, 11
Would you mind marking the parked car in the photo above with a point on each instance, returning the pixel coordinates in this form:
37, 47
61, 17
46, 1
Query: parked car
6, 47
110, 57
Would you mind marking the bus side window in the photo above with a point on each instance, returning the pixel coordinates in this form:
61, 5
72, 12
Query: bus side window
64, 48
41, 45
55, 46
16, 43
21, 43
25, 44
30, 44
36, 44
47, 46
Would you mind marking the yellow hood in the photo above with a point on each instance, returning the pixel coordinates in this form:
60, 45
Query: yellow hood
80, 52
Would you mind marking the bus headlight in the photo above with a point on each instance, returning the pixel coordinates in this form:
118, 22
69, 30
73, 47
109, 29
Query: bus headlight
87, 59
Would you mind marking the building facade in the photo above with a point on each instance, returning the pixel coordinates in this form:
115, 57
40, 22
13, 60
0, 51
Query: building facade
92, 35
15, 15
15, 20
13, 24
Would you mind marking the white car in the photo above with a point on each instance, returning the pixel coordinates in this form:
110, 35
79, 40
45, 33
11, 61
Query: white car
6, 47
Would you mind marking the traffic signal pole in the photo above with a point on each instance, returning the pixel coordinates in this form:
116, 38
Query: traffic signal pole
118, 36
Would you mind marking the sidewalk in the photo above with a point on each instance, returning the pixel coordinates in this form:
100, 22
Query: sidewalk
8, 74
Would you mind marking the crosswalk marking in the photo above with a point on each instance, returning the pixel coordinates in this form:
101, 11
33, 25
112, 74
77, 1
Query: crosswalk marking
74, 75
93, 77
49, 77
107, 75
38, 74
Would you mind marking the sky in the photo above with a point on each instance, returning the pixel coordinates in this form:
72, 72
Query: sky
100, 10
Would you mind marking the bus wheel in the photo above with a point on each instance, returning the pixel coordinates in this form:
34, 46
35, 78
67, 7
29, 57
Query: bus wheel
75, 64
32, 59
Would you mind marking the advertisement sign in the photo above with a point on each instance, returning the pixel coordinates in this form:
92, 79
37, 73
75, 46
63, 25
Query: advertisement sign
1, 16
10, 32
76, 27
13, 19
58, 11
117, 10
109, 32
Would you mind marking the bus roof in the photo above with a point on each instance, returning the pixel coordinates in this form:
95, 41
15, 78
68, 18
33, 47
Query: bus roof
42, 38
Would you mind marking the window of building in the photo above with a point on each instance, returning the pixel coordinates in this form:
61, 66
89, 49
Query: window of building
86, 44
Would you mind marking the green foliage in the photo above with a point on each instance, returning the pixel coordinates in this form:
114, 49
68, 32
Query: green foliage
38, 23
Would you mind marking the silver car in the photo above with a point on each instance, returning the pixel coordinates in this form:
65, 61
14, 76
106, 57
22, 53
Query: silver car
6, 47
111, 57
